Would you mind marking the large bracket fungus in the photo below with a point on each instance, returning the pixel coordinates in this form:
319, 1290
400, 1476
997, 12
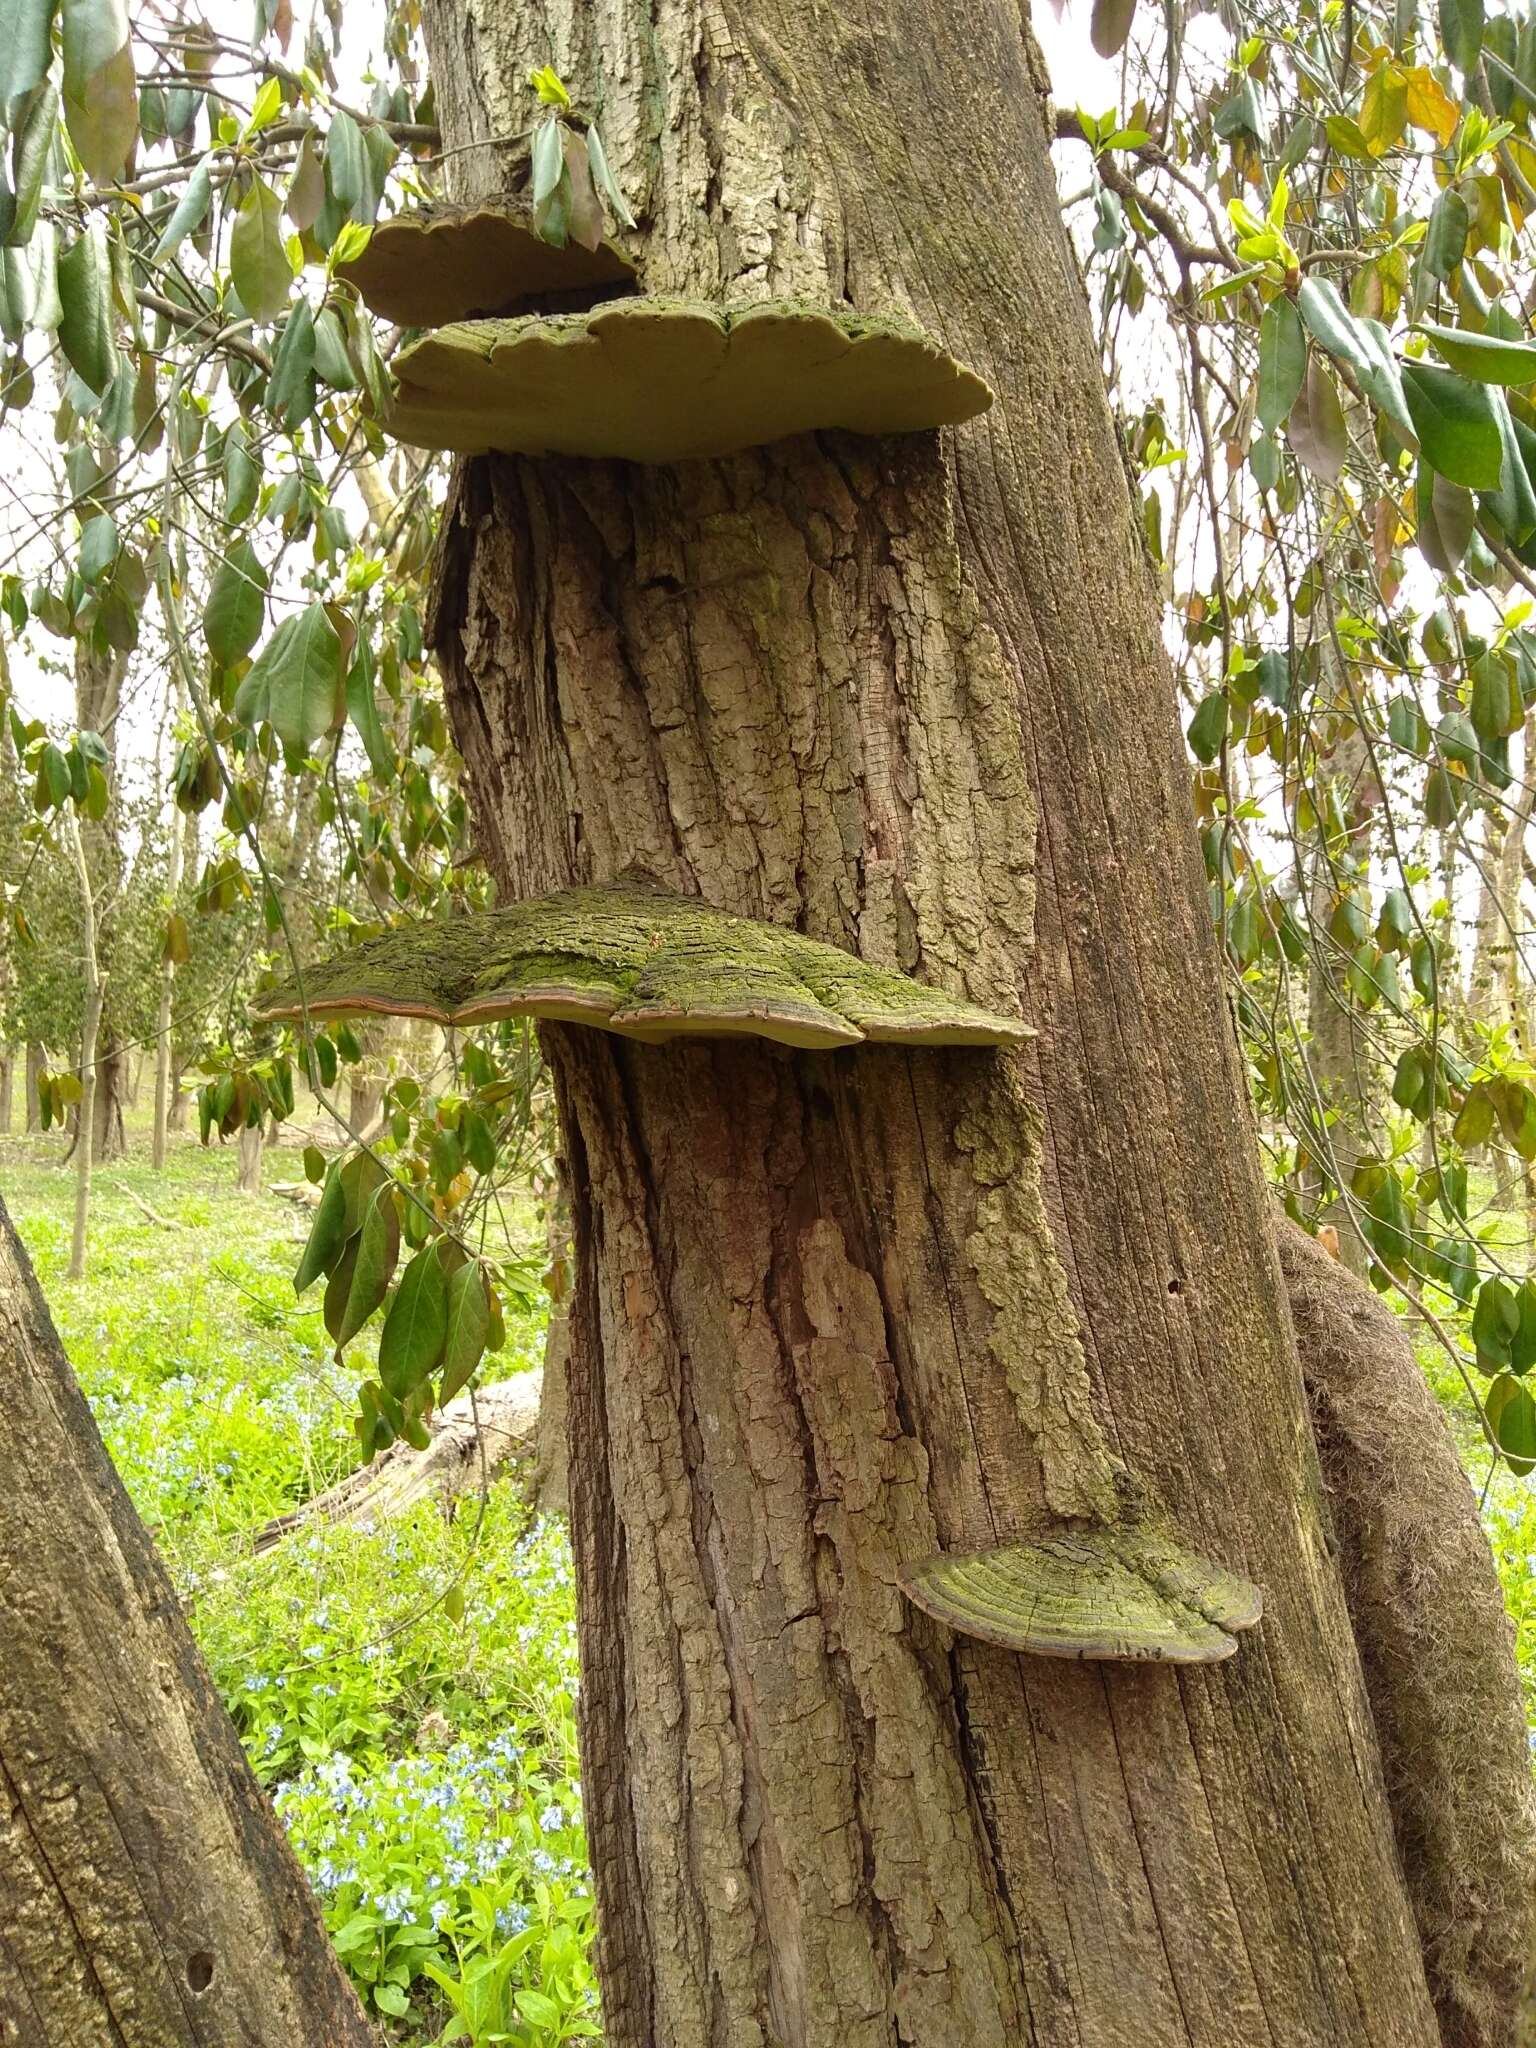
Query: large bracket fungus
659, 380
1124, 1593
439, 264
642, 963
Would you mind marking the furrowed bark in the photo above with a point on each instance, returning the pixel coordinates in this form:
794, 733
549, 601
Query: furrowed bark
1435, 1640
908, 697
148, 1896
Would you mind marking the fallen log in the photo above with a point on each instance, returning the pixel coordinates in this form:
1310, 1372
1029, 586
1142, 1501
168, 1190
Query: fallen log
473, 1438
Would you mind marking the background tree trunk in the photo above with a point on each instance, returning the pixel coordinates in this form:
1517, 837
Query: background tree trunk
248, 1160
7, 1088
819, 1327
37, 1062
148, 1896
86, 1151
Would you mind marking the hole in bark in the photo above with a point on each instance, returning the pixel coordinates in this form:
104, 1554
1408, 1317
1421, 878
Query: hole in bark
1175, 1286
200, 1970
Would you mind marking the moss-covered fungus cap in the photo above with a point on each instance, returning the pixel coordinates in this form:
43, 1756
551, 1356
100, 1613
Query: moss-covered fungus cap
642, 963
660, 380
1128, 1593
438, 264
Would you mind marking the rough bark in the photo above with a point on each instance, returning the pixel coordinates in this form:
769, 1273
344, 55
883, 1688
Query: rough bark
248, 1160
148, 1897
552, 1480
910, 698
1435, 1640
7, 1088
473, 1440
37, 1063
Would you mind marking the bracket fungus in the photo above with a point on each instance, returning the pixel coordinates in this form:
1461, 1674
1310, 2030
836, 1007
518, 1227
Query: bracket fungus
661, 380
438, 264
1124, 1593
642, 963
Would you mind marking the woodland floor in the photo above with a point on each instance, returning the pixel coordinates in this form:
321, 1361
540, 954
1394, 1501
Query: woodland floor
422, 1756
421, 1751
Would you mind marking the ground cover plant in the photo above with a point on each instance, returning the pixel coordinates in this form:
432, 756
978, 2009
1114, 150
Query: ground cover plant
406, 1691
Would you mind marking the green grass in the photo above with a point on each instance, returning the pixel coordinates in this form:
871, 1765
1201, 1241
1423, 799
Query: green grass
405, 1691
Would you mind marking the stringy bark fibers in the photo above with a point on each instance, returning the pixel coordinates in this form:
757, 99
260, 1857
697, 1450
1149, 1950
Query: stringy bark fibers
906, 696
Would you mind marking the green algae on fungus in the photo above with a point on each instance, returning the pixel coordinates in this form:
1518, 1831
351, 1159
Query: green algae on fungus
661, 380
642, 963
1124, 1593
436, 264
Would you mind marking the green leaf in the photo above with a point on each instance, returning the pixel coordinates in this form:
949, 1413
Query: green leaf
242, 477
294, 683
232, 618
1445, 517
189, 212
1474, 1120
551, 208
363, 710
1496, 709
378, 1249
1446, 241
1461, 32
1495, 1321
291, 387
1407, 726
469, 1323
85, 294
258, 261
1410, 1079
1363, 344
314, 1164
98, 547
306, 188
31, 148
25, 46
101, 100
1511, 1416
1484, 357
1208, 727
1282, 362
538, 2008
1457, 426
1522, 1346
1513, 504
416, 1328
604, 180
327, 1234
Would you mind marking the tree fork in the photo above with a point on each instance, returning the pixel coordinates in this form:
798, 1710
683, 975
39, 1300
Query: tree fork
909, 697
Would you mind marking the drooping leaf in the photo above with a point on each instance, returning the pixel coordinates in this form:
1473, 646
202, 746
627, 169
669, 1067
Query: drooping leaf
85, 296
606, 183
378, 1249
1282, 362
1483, 357
416, 1327
306, 187
1461, 32
291, 387
30, 152
363, 710
1316, 427
1511, 1416
295, 683
1208, 727
551, 186
101, 100
1445, 513
25, 46
1446, 242
258, 261
469, 1321
327, 1234
236, 607
346, 172
1110, 26
585, 210
1457, 426
189, 212
1363, 344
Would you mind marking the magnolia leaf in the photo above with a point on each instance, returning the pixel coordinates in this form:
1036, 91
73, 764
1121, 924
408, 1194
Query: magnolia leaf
232, 618
291, 387
1513, 504
1445, 515
188, 214
469, 1322
378, 1250
101, 94
327, 1234
98, 547
85, 297
1282, 362
346, 171
242, 477
25, 46
551, 184
294, 684
306, 188
258, 261
1430, 107
606, 183
585, 221
416, 1328
1461, 33
1110, 26
1316, 427
31, 149
1483, 357
1457, 426
1208, 727
1511, 1416
1446, 242
363, 710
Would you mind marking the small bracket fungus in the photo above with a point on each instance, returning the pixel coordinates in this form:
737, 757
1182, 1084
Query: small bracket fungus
642, 963
437, 264
1126, 1593
657, 380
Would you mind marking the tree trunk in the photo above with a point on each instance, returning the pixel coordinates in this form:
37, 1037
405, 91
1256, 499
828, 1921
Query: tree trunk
552, 1483
7, 1088
109, 1138
248, 1157
90, 1032
37, 1063
909, 697
148, 1897
164, 1080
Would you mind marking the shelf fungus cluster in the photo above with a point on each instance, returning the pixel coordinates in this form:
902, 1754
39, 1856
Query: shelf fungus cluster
641, 963
647, 379
1127, 1593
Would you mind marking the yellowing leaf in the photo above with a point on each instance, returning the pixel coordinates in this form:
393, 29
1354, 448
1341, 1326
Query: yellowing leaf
1384, 109
1429, 106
